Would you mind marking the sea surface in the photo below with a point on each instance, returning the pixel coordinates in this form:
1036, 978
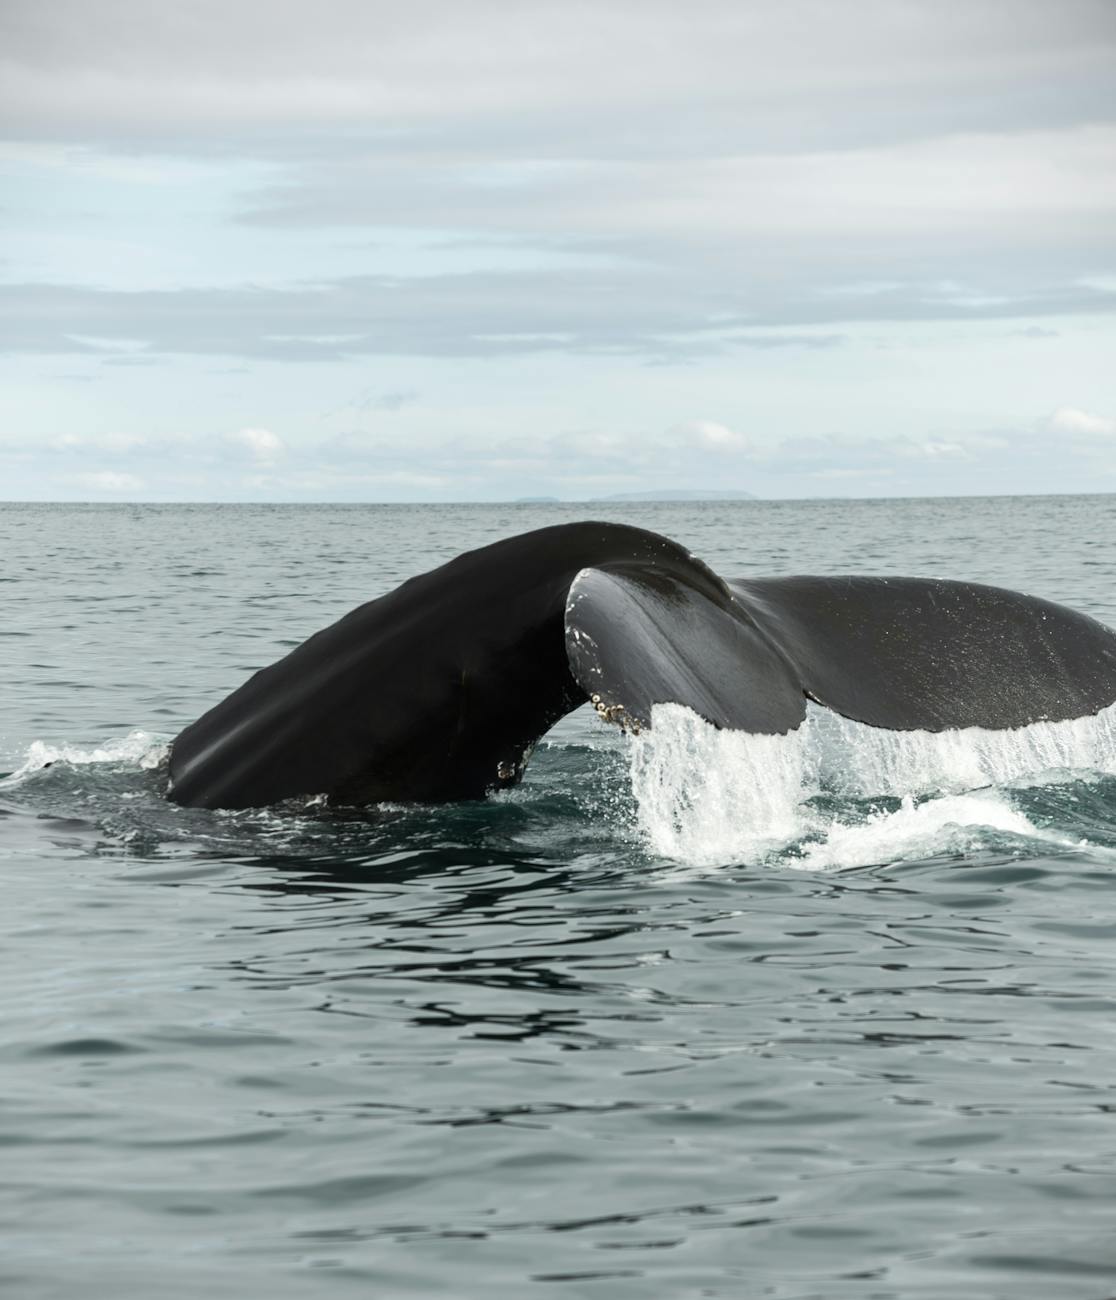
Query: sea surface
829, 1015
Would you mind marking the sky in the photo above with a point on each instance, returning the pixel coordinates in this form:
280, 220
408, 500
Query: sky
364, 251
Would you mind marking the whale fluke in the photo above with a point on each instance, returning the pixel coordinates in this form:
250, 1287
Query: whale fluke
435, 691
439, 689
927, 654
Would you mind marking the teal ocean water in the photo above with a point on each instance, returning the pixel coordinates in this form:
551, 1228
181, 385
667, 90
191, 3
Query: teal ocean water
829, 1015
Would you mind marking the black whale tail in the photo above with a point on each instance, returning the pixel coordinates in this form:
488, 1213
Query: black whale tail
435, 691
439, 689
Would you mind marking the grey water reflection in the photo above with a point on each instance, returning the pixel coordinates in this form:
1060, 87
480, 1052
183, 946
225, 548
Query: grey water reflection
505, 1050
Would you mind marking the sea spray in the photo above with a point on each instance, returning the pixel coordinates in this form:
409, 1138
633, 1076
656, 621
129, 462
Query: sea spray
952, 823
851, 758
705, 796
140, 748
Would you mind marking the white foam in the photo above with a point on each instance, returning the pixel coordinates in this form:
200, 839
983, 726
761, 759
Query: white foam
705, 796
138, 747
916, 830
852, 758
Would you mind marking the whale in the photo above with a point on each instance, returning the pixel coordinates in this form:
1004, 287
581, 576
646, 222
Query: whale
440, 689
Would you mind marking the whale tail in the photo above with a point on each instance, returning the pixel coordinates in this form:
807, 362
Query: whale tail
439, 689
900, 653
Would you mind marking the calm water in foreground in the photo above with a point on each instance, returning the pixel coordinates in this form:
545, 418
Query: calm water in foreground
830, 1018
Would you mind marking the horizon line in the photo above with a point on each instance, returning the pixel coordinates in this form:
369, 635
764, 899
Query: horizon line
537, 502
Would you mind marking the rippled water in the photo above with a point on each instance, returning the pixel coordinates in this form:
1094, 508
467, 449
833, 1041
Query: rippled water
821, 1016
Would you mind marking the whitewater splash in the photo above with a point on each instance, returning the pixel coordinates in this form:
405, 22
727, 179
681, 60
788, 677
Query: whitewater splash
137, 747
706, 797
830, 795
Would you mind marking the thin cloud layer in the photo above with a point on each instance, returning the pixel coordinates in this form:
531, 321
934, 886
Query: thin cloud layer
253, 463
802, 217
655, 315
802, 73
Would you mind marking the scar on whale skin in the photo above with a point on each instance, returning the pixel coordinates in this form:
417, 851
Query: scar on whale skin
440, 689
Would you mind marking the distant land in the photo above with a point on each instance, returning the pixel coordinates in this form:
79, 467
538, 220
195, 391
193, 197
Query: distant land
681, 494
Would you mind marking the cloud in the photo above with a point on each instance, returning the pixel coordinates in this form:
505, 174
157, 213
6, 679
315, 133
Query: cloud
363, 464
649, 78
261, 444
1071, 420
391, 401
672, 313
113, 443
759, 197
695, 453
112, 481
962, 186
714, 186
712, 436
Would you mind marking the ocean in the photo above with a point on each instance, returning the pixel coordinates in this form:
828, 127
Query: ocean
687, 1014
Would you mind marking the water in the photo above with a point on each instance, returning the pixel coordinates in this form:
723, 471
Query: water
696, 1015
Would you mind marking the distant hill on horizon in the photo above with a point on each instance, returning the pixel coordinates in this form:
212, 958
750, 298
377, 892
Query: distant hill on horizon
680, 494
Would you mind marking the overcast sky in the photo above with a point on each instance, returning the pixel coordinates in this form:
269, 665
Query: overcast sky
353, 250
